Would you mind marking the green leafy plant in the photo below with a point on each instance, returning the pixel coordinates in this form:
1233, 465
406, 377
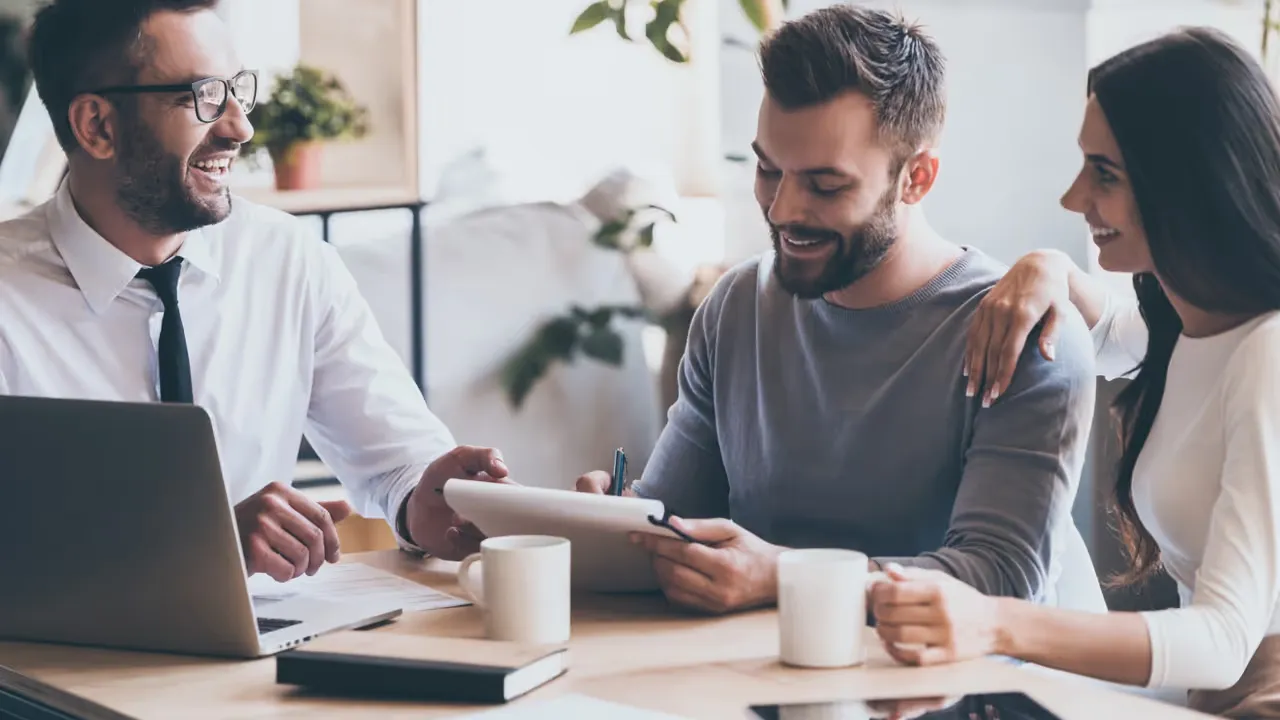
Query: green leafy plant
562, 339
666, 18
588, 332
615, 233
307, 105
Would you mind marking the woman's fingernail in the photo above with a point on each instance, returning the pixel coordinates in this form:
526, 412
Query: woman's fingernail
969, 390
965, 369
1048, 350
995, 392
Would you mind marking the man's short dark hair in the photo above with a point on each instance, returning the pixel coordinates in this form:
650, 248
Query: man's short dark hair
843, 48
78, 45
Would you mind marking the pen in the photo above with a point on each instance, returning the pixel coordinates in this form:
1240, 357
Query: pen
619, 472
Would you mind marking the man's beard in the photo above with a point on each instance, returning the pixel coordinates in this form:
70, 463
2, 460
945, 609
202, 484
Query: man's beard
152, 190
853, 258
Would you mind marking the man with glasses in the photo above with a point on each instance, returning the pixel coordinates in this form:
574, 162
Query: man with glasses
143, 279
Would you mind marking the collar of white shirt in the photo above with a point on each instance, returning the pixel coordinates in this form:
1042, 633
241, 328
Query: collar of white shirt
101, 271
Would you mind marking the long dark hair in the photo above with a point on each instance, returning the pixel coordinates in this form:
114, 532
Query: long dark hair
1198, 125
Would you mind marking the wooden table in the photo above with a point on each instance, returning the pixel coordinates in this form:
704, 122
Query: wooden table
632, 650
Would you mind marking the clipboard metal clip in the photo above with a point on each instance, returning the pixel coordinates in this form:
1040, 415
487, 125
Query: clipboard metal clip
665, 522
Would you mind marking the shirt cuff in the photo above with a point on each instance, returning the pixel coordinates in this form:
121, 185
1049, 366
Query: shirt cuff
400, 483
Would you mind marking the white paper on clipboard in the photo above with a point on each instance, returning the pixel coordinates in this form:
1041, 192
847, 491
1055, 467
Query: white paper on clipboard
603, 559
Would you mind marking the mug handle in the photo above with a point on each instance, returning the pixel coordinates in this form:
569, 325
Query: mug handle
475, 590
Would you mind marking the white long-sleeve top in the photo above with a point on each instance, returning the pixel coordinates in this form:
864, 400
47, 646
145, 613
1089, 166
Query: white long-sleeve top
1207, 487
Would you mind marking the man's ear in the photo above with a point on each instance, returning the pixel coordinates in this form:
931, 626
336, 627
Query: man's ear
95, 124
918, 176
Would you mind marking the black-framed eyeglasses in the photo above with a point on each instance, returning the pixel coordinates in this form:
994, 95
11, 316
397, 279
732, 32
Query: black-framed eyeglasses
210, 94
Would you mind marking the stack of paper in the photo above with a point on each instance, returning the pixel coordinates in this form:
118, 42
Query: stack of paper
356, 583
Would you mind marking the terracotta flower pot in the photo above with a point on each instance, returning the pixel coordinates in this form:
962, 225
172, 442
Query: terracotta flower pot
297, 167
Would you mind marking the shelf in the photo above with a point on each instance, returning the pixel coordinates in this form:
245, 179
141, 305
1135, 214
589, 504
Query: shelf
314, 479
313, 472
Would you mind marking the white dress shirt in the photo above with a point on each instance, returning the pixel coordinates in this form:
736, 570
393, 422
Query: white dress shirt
280, 341
1207, 487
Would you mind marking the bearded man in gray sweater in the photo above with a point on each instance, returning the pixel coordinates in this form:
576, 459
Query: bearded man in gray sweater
822, 398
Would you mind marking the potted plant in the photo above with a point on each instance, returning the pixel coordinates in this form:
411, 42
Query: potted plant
305, 109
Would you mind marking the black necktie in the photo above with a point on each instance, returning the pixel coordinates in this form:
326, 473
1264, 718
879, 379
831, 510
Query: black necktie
175, 366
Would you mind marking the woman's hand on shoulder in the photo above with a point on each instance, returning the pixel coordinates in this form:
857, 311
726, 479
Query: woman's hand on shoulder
1036, 289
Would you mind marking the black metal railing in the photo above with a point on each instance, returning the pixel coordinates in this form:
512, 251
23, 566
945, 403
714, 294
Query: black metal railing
417, 287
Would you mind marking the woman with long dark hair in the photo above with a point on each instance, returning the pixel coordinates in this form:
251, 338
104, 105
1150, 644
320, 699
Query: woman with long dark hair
1181, 187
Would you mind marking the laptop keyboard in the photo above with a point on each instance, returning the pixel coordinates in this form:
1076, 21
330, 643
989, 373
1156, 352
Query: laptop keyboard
266, 625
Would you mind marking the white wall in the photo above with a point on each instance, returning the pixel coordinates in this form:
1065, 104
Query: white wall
266, 34
506, 74
1118, 24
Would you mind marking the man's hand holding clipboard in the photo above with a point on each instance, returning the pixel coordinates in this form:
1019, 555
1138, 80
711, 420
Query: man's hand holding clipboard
718, 567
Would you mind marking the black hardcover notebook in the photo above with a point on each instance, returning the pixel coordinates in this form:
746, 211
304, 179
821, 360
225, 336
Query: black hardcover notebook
25, 698
420, 667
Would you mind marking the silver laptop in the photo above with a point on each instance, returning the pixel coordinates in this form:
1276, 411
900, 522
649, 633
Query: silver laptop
116, 530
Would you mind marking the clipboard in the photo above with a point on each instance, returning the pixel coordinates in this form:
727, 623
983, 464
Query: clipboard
603, 559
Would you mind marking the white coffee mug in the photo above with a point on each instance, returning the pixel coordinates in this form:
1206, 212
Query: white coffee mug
822, 607
523, 587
